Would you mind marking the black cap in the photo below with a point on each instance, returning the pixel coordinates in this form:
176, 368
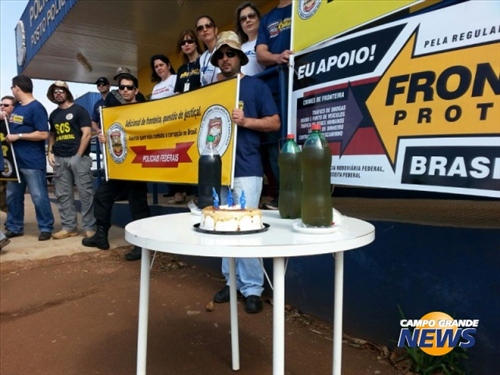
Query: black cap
102, 80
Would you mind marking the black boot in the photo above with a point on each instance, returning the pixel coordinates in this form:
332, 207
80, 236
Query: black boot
135, 254
99, 239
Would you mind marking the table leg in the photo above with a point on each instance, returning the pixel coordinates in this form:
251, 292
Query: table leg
233, 301
142, 336
337, 312
279, 316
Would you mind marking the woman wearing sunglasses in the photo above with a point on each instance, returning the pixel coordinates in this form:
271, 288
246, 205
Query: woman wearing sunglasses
164, 76
247, 27
188, 78
188, 74
207, 32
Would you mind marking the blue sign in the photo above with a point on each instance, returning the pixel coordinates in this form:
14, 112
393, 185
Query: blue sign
39, 20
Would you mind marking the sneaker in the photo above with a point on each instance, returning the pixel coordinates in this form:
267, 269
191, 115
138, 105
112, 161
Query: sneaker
253, 304
4, 243
44, 236
10, 234
64, 234
88, 233
273, 205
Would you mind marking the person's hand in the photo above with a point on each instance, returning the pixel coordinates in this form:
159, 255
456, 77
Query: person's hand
284, 57
3, 115
51, 158
11, 138
239, 117
100, 137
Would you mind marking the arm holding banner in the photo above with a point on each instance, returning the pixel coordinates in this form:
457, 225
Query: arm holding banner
33, 136
263, 124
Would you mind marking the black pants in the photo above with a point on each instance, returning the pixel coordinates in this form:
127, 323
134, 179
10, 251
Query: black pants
135, 192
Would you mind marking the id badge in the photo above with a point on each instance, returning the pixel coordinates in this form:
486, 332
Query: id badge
186, 87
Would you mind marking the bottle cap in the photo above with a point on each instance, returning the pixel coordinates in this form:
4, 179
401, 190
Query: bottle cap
210, 138
290, 136
315, 127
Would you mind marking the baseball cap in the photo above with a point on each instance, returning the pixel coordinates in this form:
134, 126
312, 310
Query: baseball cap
103, 80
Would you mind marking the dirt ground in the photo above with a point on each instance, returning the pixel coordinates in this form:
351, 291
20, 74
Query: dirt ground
78, 315
70, 310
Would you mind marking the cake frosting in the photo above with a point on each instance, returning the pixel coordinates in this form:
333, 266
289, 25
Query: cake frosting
231, 219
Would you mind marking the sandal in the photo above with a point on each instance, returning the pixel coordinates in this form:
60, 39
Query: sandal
178, 198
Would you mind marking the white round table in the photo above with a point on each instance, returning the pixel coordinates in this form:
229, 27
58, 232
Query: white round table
175, 234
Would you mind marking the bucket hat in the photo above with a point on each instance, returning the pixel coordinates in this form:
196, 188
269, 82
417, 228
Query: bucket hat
230, 39
62, 85
121, 70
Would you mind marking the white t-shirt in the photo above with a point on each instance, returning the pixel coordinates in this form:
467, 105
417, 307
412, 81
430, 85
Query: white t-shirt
208, 71
165, 88
253, 67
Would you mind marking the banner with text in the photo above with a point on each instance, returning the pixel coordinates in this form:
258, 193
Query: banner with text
409, 105
161, 140
311, 16
10, 171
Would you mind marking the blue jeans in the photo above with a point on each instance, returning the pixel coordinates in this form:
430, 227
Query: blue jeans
249, 272
35, 180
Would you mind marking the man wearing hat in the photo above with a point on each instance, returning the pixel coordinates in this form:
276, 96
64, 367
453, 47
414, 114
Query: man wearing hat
69, 149
257, 113
29, 130
103, 88
115, 98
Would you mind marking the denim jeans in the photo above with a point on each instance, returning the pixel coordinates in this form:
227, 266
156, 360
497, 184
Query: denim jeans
35, 180
249, 272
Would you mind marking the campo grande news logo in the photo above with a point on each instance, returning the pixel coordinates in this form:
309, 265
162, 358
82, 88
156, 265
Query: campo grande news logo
437, 333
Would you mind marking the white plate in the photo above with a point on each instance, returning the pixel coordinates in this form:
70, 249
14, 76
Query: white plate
300, 227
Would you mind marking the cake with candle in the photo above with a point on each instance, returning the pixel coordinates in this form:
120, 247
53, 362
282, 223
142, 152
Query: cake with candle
231, 217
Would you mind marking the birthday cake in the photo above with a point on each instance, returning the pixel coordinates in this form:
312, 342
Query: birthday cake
231, 219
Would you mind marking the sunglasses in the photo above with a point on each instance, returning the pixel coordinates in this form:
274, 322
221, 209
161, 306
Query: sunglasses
187, 41
128, 87
59, 91
101, 84
229, 53
205, 26
250, 16
4, 105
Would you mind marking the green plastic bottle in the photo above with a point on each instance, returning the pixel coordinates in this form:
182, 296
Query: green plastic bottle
316, 160
290, 179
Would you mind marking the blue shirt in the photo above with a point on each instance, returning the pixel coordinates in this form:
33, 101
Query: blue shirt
257, 103
275, 31
28, 119
96, 114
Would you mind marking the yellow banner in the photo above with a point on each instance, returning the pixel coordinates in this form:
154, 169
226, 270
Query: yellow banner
317, 20
161, 140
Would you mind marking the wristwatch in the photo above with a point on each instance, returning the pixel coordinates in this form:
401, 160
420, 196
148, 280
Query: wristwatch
20, 135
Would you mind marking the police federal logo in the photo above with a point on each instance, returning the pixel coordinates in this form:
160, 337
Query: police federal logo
216, 121
307, 8
117, 143
69, 116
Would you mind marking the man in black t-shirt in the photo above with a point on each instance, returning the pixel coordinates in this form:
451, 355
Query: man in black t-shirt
135, 191
69, 148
